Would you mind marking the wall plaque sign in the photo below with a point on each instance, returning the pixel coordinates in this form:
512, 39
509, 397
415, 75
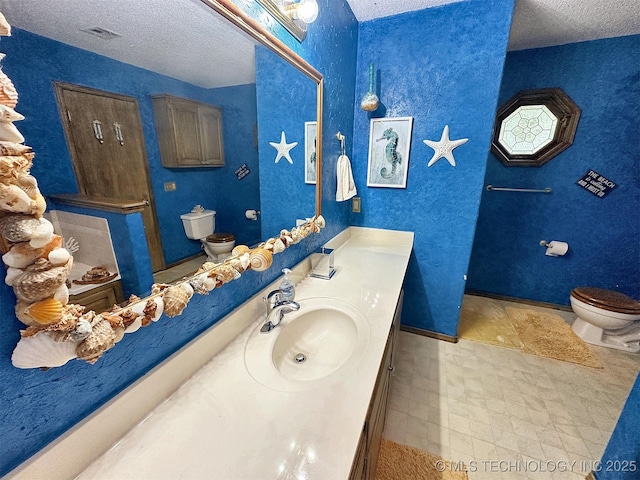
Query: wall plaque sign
242, 171
595, 183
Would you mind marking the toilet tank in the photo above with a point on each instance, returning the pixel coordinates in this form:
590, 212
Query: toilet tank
200, 224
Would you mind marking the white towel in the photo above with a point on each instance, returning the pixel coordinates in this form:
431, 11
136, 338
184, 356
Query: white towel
346, 186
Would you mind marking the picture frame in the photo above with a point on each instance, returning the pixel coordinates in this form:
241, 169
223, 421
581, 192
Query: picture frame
389, 145
310, 133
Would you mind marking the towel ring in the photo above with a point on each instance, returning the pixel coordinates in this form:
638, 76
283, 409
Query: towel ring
341, 137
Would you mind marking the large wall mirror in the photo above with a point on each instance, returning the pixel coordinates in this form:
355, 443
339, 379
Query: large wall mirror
204, 51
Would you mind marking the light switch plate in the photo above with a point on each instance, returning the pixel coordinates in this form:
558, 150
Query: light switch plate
355, 204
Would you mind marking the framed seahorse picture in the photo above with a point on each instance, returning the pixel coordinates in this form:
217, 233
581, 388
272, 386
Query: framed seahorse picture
310, 133
389, 142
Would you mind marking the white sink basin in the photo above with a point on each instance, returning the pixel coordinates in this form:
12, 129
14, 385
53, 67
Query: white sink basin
317, 342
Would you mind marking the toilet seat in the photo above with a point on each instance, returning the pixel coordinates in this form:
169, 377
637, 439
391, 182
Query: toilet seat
609, 300
221, 237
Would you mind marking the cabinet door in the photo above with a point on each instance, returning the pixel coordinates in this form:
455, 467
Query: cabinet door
100, 299
211, 136
359, 467
186, 133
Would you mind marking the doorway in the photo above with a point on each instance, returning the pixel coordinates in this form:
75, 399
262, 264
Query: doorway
106, 142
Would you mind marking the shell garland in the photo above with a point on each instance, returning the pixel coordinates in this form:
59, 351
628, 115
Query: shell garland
38, 264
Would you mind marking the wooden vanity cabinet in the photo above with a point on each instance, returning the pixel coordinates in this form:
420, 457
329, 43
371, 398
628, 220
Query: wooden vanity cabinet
189, 132
366, 458
100, 299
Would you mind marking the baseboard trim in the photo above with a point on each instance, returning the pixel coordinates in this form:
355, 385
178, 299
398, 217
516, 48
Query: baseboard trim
428, 333
526, 301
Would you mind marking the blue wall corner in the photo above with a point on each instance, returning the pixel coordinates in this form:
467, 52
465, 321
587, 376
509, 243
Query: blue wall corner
603, 78
441, 66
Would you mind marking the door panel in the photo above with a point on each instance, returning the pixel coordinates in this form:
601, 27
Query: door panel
115, 166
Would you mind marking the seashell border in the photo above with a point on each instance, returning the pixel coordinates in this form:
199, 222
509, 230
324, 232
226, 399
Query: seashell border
38, 265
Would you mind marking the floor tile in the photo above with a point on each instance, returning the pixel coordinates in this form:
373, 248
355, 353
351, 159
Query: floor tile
474, 402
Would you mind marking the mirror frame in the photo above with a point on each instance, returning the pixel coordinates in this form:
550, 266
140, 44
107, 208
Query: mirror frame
294, 29
257, 31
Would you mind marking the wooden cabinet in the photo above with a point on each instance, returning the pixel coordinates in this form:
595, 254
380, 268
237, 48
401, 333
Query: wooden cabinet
189, 132
100, 299
366, 459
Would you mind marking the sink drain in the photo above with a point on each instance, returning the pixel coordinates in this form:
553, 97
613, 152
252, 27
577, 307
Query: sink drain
300, 358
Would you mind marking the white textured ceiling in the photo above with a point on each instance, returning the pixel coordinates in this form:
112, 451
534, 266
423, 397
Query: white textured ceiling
536, 23
184, 39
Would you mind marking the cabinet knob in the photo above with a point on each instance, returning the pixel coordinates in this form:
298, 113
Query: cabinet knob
391, 368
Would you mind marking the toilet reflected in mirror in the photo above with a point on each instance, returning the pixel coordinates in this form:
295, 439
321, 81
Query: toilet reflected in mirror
200, 224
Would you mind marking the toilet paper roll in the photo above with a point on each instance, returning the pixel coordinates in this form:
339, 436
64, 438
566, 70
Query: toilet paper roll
556, 249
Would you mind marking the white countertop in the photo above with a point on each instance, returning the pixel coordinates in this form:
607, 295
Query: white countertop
223, 424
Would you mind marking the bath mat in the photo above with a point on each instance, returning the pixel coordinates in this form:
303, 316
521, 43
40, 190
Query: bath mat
547, 335
397, 462
485, 320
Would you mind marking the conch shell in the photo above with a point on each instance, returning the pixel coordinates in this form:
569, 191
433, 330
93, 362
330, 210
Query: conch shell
260, 259
12, 148
101, 339
14, 199
46, 311
40, 280
176, 298
8, 93
18, 228
14, 166
42, 351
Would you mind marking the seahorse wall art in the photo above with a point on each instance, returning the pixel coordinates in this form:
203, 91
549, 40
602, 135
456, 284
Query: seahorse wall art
390, 152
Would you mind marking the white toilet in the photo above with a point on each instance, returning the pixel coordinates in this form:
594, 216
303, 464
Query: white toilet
606, 318
200, 225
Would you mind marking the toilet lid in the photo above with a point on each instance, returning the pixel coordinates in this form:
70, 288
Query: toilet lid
607, 300
220, 237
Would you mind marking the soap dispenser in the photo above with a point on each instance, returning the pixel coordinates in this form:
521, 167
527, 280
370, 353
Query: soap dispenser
287, 287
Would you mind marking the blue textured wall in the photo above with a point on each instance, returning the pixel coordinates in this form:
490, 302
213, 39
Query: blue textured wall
36, 406
441, 66
603, 79
215, 188
624, 445
283, 111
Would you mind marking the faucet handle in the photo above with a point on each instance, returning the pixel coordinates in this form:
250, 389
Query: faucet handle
270, 300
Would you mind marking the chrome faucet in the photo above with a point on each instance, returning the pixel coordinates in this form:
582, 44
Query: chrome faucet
277, 309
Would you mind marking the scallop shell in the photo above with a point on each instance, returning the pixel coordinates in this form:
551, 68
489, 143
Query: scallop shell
13, 148
39, 281
42, 351
21, 255
42, 234
260, 259
14, 199
46, 311
23, 315
176, 298
240, 250
18, 228
14, 166
8, 93
8, 114
101, 339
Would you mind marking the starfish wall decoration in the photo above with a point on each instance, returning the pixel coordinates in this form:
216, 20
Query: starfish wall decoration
283, 148
444, 148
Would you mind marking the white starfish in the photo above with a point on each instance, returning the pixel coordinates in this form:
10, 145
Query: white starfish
283, 148
444, 148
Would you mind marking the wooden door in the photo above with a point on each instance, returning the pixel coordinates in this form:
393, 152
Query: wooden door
106, 142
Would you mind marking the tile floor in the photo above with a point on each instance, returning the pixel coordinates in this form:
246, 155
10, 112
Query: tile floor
176, 273
502, 411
